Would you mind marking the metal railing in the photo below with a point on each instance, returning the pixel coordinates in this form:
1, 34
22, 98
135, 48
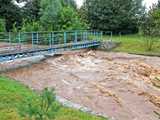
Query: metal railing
19, 41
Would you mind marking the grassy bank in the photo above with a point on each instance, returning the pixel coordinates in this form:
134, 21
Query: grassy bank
12, 95
136, 44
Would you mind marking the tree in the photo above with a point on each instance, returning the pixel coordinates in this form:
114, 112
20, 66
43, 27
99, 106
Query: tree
71, 3
151, 25
114, 15
70, 20
83, 15
31, 10
50, 10
60, 15
151, 22
2, 25
10, 12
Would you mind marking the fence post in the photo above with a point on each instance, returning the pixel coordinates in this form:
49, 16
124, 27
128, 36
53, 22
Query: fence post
32, 40
9, 37
37, 38
86, 36
101, 35
19, 38
65, 38
83, 35
75, 40
50, 40
94, 34
111, 36
53, 38
120, 35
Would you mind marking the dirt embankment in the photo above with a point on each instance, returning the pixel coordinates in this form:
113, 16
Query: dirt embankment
121, 86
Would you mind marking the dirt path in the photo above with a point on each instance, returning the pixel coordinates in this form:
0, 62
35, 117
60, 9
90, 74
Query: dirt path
122, 86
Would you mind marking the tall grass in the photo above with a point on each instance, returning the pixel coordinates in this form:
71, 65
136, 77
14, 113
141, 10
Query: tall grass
137, 44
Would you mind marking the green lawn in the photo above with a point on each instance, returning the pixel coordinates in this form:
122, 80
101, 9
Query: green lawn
13, 93
136, 44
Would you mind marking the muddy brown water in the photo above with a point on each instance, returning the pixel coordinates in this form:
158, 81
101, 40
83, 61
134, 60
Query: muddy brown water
118, 85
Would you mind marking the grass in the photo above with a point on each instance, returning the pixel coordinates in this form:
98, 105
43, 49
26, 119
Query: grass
136, 44
12, 94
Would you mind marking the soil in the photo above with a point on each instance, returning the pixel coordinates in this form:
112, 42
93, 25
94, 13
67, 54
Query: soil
119, 85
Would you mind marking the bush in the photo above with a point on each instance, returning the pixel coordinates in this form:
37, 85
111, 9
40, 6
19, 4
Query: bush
44, 107
27, 27
30, 26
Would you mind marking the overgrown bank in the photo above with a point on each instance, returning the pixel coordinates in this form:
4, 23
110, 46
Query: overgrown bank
136, 44
13, 95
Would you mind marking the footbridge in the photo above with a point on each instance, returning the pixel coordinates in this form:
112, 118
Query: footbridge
26, 44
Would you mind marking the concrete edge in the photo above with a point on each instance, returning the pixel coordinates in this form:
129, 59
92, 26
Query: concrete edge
70, 104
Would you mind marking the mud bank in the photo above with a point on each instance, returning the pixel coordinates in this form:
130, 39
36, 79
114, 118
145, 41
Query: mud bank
118, 85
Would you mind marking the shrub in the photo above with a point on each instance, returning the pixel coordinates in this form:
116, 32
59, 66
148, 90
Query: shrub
30, 26
42, 108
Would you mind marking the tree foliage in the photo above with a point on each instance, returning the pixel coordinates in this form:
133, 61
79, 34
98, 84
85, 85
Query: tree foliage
69, 19
10, 12
151, 22
31, 10
106, 15
2, 25
32, 26
114, 15
50, 10
70, 3
151, 25
60, 15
